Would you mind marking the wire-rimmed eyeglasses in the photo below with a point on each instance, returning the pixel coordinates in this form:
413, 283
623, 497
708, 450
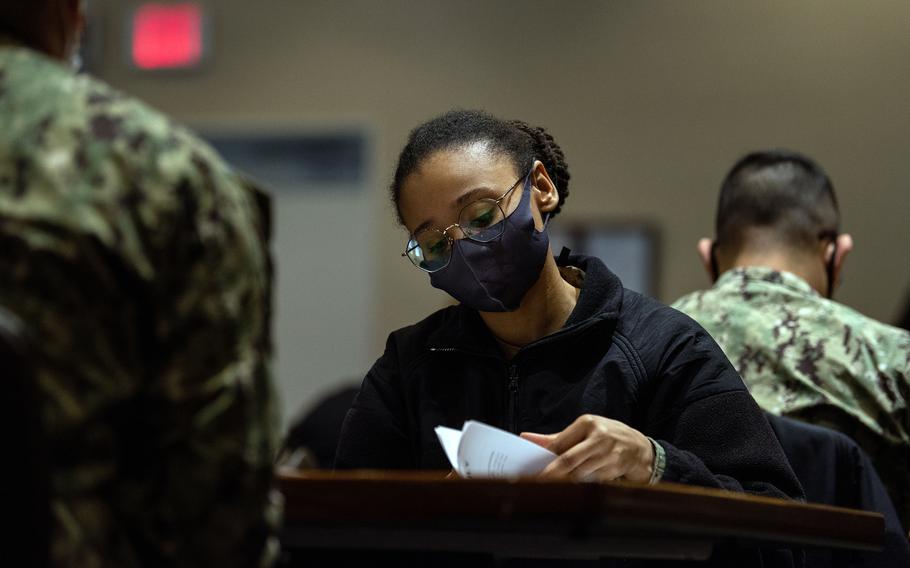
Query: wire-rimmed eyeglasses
479, 221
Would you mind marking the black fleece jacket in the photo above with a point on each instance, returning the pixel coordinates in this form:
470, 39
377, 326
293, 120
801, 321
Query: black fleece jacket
620, 355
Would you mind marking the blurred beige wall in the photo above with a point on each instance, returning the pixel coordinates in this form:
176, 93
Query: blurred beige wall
651, 101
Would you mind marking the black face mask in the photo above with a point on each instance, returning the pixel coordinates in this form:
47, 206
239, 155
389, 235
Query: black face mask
495, 276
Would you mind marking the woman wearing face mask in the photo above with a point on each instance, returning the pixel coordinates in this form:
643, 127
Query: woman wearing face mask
616, 384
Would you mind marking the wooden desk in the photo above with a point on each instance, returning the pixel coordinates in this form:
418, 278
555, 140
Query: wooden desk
551, 519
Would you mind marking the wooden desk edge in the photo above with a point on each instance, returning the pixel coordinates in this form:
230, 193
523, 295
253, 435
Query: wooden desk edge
618, 504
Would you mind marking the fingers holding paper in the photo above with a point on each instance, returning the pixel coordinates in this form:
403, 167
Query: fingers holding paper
597, 448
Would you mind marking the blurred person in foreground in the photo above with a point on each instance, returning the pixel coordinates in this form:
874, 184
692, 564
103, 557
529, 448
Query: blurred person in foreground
776, 259
139, 262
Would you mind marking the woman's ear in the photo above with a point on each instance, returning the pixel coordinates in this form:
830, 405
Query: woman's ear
543, 189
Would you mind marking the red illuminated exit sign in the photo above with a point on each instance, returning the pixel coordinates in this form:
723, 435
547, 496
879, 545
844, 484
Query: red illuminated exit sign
168, 35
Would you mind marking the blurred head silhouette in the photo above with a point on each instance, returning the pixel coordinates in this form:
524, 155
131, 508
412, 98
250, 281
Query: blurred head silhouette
53, 27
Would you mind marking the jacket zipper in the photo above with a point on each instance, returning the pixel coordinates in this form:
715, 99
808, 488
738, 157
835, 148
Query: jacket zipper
513, 398
512, 386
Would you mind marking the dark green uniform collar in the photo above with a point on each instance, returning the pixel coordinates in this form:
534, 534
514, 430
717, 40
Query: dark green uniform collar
745, 275
9, 41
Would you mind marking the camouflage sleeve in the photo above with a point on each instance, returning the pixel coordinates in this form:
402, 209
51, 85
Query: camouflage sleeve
204, 465
74, 297
159, 403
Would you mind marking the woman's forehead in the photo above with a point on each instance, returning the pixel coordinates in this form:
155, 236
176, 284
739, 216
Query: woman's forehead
431, 192
457, 168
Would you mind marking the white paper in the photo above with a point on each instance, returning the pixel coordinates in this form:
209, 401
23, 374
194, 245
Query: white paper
480, 450
449, 438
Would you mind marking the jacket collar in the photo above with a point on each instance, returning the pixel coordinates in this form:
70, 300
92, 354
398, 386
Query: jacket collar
7, 40
600, 301
601, 294
744, 276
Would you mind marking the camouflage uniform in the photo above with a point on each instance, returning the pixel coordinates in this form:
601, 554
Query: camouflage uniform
807, 357
139, 261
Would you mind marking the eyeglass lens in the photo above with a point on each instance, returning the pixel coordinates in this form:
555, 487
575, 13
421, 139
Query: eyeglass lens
479, 221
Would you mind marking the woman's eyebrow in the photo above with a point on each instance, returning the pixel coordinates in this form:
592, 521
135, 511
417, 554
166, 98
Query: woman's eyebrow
422, 227
465, 197
460, 202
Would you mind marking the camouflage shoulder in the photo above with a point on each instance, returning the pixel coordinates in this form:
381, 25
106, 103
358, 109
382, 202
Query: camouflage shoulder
108, 152
690, 303
683, 301
48, 96
879, 333
104, 116
135, 125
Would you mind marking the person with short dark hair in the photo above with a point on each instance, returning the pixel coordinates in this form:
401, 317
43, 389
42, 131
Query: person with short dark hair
776, 260
138, 262
554, 349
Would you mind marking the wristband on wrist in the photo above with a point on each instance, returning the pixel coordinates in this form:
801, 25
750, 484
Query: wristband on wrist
660, 462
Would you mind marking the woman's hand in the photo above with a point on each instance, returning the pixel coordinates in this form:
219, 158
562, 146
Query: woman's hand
597, 448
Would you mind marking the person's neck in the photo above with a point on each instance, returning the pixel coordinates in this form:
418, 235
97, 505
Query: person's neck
43, 46
544, 310
805, 266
